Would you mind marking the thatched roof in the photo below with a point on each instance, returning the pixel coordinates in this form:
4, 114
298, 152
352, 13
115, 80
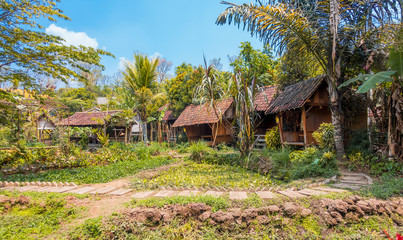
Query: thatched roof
202, 114
87, 118
296, 95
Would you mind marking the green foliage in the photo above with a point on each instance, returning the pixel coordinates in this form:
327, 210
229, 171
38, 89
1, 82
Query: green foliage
28, 52
126, 166
388, 186
256, 64
34, 215
324, 136
272, 138
200, 151
90, 229
312, 162
217, 203
108, 163
204, 175
76, 99
181, 88
281, 163
103, 138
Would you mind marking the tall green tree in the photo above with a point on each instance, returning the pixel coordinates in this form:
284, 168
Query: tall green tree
325, 30
26, 51
260, 65
181, 89
141, 77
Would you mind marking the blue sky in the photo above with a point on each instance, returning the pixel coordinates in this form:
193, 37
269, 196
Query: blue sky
178, 30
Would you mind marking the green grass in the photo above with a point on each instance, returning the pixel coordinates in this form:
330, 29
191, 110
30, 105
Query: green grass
388, 186
217, 203
310, 227
97, 174
205, 175
42, 216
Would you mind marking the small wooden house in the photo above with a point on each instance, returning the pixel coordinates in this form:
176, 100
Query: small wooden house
44, 127
200, 122
169, 133
99, 120
301, 108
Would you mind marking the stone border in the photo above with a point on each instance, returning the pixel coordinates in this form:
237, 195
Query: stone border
250, 189
40, 184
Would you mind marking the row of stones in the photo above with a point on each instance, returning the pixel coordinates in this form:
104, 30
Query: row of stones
41, 184
239, 195
250, 189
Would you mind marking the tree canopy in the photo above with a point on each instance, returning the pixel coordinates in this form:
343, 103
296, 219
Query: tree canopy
26, 51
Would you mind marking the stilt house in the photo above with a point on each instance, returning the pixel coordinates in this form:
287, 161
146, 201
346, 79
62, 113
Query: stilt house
301, 108
200, 122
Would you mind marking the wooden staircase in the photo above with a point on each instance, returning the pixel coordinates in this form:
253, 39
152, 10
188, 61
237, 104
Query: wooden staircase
260, 142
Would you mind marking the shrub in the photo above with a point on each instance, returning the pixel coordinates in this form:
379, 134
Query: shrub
200, 151
281, 163
324, 136
312, 162
272, 138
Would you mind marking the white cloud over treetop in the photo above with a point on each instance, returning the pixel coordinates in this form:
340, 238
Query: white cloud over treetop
72, 38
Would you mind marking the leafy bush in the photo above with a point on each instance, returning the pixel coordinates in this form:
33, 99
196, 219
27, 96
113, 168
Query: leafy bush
281, 163
200, 151
375, 165
182, 147
272, 138
312, 162
324, 136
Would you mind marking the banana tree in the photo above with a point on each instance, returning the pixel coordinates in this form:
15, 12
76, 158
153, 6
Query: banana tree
393, 81
325, 30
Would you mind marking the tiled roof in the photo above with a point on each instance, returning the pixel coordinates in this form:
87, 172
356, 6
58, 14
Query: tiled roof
202, 114
265, 97
295, 96
169, 115
87, 118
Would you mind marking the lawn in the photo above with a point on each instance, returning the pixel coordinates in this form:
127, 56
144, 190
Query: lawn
205, 175
35, 215
96, 174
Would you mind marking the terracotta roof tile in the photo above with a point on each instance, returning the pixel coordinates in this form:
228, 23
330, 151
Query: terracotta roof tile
86, 118
265, 97
201, 114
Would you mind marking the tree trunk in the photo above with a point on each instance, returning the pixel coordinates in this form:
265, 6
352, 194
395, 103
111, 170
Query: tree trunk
145, 139
159, 132
337, 121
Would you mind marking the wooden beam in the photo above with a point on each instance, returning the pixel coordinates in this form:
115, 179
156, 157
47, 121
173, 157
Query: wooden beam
280, 127
304, 124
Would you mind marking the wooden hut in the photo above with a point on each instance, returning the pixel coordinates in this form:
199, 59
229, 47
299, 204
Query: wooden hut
200, 122
44, 127
99, 120
301, 108
168, 132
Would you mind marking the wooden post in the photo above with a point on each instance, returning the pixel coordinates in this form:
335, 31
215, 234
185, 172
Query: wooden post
304, 125
280, 127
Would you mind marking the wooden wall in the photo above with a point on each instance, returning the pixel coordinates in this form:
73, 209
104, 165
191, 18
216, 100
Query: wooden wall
204, 132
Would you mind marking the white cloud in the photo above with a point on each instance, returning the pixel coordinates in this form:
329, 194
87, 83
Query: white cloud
156, 55
122, 60
72, 38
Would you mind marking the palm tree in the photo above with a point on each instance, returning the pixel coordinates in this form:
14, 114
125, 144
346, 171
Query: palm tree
327, 30
141, 78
